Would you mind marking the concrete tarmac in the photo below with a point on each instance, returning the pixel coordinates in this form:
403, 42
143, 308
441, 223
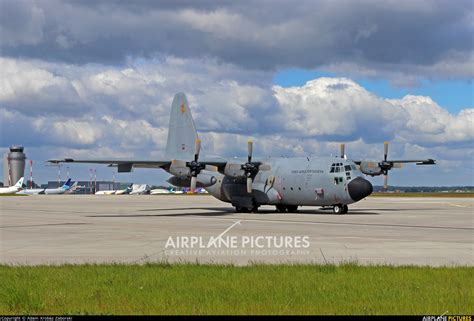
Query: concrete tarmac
56, 229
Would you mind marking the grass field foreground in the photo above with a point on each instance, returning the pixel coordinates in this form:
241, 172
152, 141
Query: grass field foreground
220, 289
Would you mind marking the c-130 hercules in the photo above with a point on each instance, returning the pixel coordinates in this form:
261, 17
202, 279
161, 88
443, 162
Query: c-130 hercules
248, 183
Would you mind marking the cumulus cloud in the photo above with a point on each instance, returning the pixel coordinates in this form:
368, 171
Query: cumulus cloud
340, 109
419, 39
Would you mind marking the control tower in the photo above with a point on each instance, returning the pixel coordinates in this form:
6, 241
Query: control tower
13, 165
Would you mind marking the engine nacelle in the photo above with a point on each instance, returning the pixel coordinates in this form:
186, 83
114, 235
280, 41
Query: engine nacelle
179, 181
234, 170
206, 178
370, 168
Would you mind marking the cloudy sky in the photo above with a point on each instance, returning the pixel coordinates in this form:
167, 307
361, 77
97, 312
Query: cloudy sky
96, 79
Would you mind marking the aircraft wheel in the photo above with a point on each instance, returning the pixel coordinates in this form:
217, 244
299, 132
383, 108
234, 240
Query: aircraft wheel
239, 209
337, 209
255, 208
345, 209
292, 208
281, 208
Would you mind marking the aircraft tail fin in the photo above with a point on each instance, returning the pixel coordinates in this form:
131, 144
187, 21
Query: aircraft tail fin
67, 184
19, 183
182, 133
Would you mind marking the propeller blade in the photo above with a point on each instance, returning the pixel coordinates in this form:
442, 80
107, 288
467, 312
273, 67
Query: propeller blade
385, 181
193, 184
250, 150
249, 185
385, 151
197, 149
343, 150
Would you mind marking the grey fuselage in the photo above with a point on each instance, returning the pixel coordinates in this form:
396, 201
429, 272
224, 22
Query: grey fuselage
321, 181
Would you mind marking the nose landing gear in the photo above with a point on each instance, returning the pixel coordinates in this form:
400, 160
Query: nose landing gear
340, 209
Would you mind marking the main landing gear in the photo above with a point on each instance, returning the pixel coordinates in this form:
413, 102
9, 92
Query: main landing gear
253, 209
340, 209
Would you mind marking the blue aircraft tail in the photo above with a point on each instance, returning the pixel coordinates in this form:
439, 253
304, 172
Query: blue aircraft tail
67, 184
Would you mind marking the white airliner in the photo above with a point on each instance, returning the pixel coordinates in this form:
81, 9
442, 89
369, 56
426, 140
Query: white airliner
31, 191
60, 190
139, 189
127, 190
157, 191
12, 189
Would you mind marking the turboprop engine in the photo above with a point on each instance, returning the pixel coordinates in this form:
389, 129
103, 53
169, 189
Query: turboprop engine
192, 173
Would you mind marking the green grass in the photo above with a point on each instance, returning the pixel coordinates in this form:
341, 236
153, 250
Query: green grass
4, 195
219, 289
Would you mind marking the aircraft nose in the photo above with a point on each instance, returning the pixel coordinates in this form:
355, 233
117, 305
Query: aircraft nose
359, 188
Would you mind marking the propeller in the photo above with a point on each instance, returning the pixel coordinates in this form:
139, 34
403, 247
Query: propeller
250, 169
195, 166
385, 166
343, 150
380, 168
182, 168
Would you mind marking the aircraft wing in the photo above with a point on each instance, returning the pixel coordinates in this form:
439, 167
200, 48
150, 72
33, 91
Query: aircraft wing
126, 165
417, 161
428, 161
123, 165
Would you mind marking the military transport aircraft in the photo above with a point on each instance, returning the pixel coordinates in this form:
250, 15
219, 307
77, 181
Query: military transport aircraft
247, 183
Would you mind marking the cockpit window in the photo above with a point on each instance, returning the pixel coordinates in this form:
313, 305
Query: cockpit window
354, 168
339, 168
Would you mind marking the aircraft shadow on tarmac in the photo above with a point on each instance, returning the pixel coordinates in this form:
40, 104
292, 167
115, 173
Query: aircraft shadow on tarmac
230, 210
225, 211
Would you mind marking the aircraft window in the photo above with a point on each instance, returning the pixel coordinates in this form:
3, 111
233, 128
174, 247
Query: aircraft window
354, 168
335, 180
291, 188
332, 169
340, 179
337, 170
347, 167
